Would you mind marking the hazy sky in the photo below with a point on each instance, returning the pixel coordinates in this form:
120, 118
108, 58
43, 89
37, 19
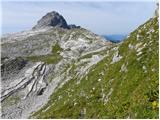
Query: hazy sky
100, 17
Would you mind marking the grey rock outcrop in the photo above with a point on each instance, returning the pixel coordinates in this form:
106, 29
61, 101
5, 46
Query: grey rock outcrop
51, 19
29, 80
73, 26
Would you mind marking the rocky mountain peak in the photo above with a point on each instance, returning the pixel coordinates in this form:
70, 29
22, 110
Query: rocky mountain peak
51, 19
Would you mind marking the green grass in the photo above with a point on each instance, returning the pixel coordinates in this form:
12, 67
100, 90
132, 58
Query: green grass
11, 100
50, 58
131, 94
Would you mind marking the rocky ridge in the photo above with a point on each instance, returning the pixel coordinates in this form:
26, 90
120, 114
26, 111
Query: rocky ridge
37, 62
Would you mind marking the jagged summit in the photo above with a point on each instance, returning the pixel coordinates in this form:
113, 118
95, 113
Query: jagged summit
51, 19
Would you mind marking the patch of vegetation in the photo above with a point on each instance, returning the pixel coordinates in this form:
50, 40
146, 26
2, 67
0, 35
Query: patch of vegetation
50, 58
103, 52
11, 100
56, 48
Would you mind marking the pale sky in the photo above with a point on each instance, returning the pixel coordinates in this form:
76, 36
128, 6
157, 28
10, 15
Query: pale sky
103, 17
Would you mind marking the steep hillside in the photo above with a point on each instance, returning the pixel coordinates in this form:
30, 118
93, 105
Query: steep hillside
124, 84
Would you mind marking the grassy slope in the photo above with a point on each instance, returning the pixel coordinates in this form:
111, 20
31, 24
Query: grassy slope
108, 92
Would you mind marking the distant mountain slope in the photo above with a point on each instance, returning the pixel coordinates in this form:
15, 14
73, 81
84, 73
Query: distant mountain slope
115, 38
124, 84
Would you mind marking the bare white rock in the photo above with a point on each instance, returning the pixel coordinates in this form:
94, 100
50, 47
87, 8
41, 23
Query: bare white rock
116, 58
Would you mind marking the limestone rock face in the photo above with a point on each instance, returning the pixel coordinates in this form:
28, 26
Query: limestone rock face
51, 19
